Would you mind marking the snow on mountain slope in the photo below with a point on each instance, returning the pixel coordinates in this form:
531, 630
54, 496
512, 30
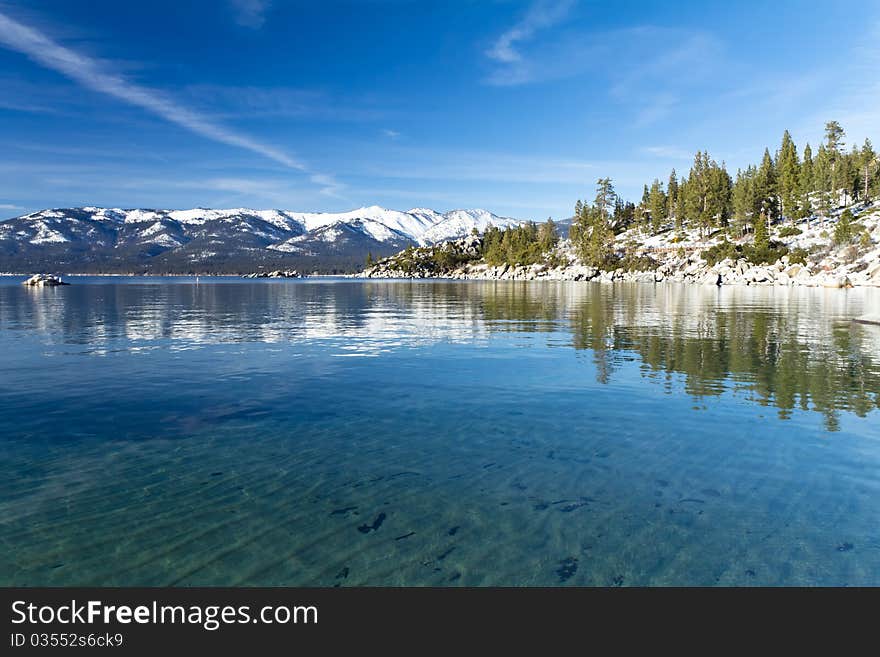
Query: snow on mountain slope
46, 234
409, 224
459, 223
126, 237
421, 225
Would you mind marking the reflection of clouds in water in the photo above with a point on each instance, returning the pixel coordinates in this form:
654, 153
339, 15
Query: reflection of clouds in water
792, 347
392, 314
376, 316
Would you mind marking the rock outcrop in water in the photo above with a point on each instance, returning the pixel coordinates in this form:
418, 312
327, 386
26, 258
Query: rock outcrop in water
278, 273
44, 280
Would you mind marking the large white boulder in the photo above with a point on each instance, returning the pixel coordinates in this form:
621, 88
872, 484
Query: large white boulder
44, 280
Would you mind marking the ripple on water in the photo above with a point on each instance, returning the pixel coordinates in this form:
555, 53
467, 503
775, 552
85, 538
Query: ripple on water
497, 435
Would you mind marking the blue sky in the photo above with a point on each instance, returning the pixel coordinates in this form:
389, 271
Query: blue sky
516, 107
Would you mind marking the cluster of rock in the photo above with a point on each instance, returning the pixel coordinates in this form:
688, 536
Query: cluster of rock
278, 273
423, 263
44, 280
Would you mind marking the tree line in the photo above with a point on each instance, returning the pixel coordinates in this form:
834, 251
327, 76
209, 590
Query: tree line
786, 186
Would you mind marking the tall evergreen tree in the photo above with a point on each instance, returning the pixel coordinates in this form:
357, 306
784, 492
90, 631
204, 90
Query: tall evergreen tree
823, 181
805, 184
671, 199
606, 198
591, 233
834, 135
681, 204
547, 235
789, 174
868, 163
766, 188
657, 205
743, 201
695, 197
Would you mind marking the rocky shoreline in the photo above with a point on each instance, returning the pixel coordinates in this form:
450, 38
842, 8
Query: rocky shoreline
421, 263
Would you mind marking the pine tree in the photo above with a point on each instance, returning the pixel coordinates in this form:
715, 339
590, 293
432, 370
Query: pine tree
672, 199
695, 199
743, 200
718, 195
789, 170
681, 222
762, 235
606, 197
805, 183
595, 238
844, 230
822, 180
834, 146
657, 205
547, 235
834, 135
868, 162
766, 189
848, 174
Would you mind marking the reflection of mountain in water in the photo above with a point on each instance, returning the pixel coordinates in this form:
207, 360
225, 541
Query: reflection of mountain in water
787, 348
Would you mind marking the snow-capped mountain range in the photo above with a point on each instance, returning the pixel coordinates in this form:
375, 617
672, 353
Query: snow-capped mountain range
94, 239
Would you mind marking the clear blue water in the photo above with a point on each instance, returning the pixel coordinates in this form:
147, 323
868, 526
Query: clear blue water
337, 432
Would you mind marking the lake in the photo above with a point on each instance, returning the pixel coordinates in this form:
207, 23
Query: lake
168, 431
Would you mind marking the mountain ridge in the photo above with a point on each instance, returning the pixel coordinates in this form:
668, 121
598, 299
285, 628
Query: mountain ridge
93, 239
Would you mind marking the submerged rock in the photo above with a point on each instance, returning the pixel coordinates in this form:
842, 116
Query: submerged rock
44, 280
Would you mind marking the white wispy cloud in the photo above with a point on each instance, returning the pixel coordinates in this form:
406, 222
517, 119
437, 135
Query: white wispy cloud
236, 102
10, 206
855, 101
92, 74
250, 13
97, 76
511, 66
667, 152
649, 78
391, 134
540, 15
328, 184
415, 163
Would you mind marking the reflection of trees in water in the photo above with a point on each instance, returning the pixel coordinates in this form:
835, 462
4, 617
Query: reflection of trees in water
760, 352
780, 347
777, 349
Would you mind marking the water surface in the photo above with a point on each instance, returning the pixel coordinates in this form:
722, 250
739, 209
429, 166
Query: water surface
339, 432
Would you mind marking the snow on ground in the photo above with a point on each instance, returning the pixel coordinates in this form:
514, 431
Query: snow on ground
47, 235
200, 216
459, 223
814, 231
288, 246
152, 230
378, 231
421, 225
166, 240
141, 216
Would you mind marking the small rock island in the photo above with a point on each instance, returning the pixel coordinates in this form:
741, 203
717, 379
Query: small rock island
44, 280
278, 273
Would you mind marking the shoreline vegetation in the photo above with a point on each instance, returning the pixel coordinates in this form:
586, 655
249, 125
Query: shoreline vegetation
792, 220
